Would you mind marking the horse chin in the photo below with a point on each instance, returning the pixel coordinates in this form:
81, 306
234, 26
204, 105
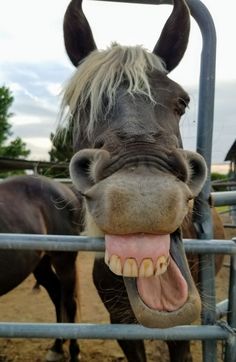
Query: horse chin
184, 312
151, 318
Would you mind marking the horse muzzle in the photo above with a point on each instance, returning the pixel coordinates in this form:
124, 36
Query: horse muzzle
138, 208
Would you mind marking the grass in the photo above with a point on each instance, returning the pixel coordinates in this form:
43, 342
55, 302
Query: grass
222, 209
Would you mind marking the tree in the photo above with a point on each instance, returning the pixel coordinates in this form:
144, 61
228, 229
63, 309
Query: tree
6, 100
61, 152
15, 148
62, 149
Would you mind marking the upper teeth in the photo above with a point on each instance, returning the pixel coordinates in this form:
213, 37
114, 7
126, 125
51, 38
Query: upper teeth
115, 265
130, 267
162, 264
146, 268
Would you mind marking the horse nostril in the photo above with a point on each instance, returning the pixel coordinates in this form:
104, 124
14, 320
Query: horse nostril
82, 164
80, 170
85, 166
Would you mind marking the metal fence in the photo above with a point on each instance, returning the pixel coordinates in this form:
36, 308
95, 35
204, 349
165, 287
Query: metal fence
221, 330
211, 331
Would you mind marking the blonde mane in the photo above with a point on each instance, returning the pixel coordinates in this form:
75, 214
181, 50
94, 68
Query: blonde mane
100, 74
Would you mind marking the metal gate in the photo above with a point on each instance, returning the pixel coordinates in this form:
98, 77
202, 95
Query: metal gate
209, 333
211, 330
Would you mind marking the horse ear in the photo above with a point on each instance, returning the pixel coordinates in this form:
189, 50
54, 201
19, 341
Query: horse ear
173, 40
78, 37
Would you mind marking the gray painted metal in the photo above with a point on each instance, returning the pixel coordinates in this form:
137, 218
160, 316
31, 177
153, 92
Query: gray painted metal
83, 243
222, 198
222, 308
204, 147
203, 223
108, 331
50, 242
230, 354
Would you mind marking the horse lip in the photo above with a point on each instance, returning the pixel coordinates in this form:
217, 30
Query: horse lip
188, 313
117, 163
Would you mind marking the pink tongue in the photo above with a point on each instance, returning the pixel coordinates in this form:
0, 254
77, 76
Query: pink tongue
167, 292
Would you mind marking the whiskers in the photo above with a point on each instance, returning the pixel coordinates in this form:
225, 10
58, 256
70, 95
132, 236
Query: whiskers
207, 302
116, 301
71, 206
207, 299
61, 203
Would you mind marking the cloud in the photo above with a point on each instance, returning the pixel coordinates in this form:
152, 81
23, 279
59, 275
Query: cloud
36, 88
39, 147
54, 88
34, 63
37, 129
224, 128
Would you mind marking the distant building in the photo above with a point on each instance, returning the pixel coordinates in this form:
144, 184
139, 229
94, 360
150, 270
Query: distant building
231, 156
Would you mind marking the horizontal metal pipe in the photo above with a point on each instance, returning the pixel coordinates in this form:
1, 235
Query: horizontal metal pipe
50, 242
212, 246
223, 198
230, 226
109, 331
85, 243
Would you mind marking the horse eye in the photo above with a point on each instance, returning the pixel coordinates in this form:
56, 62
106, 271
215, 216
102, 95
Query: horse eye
99, 143
184, 101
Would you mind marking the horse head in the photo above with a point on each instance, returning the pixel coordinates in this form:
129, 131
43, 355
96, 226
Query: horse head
130, 165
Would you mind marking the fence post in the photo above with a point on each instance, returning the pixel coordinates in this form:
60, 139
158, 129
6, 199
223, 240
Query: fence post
230, 353
203, 220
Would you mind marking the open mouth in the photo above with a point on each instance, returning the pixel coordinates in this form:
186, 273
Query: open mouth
160, 282
156, 276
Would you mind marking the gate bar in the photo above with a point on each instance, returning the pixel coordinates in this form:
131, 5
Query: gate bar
206, 92
85, 243
109, 331
223, 198
204, 142
230, 353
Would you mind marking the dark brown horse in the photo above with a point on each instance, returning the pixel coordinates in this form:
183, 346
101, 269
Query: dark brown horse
37, 205
137, 181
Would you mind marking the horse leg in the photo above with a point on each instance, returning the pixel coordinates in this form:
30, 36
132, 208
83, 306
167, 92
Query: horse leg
46, 277
131, 348
65, 267
179, 351
113, 294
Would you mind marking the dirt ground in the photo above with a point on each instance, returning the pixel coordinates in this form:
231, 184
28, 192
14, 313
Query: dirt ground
24, 305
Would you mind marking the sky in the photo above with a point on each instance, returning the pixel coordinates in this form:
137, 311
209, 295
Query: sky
34, 65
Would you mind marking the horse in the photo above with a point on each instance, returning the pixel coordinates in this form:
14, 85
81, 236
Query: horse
137, 182
38, 205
